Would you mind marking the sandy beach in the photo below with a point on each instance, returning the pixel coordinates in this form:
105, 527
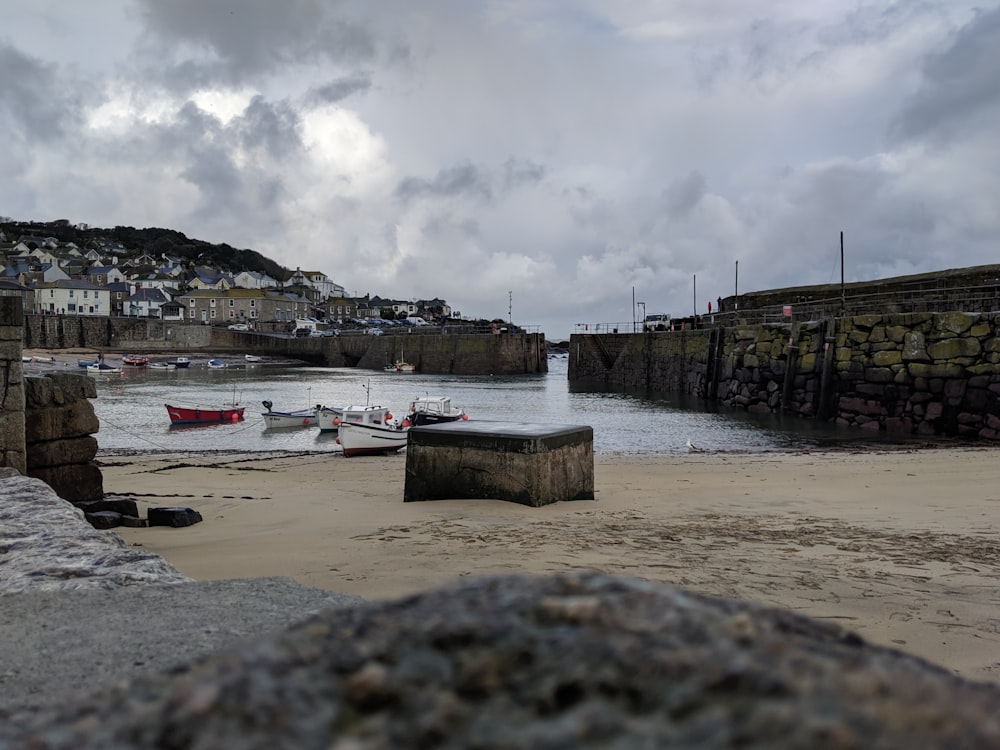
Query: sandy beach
899, 546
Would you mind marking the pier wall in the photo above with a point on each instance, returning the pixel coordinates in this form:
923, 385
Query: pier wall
927, 374
432, 352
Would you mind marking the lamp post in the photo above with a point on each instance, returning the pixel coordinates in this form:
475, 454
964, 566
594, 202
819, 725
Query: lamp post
642, 318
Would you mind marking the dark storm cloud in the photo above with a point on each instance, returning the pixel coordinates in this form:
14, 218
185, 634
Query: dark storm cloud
271, 126
340, 89
38, 104
462, 180
960, 85
241, 39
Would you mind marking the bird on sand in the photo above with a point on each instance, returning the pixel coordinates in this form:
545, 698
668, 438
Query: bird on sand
692, 448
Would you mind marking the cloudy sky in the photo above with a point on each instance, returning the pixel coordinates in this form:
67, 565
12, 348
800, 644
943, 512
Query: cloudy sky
543, 157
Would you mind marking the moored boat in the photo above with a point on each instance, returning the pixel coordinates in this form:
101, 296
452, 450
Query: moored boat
251, 358
134, 360
331, 417
180, 362
432, 410
216, 364
162, 366
359, 439
198, 414
100, 368
274, 420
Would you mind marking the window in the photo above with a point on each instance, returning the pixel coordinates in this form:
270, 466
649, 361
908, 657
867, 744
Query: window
191, 302
232, 302
232, 313
194, 313
86, 293
213, 312
212, 304
253, 303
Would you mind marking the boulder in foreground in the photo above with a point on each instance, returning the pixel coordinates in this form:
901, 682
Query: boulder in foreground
581, 660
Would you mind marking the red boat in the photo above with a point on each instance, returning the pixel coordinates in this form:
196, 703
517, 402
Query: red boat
134, 360
204, 414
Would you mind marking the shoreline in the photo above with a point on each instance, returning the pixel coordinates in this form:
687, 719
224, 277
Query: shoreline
898, 545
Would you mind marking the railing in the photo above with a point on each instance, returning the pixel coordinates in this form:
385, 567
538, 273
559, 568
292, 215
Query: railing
928, 298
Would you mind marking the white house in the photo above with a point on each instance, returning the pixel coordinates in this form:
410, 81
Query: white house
253, 280
72, 297
145, 303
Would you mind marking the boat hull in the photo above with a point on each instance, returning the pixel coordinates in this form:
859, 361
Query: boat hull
370, 440
207, 415
276, 420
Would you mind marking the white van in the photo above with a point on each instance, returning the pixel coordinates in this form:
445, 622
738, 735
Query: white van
414, 320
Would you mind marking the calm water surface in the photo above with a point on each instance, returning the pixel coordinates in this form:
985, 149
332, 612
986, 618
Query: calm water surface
132, 414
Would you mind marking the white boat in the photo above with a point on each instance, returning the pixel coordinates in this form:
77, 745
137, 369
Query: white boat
102, 369
358, 439
274, 420
216, 364
162, 366
332, 417
180, 362
251, 358
432, 410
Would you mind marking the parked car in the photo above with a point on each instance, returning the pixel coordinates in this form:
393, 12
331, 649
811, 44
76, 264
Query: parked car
301, 332
374, 331
239, 327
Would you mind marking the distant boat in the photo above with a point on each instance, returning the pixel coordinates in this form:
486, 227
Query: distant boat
216, 364
251, 358
204, 414
99, 368
180, 362
134, 360
162, 366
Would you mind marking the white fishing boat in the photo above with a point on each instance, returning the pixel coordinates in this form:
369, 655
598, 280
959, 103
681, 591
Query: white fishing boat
359, 439
251, 358
275, 420
330, 418
99, 368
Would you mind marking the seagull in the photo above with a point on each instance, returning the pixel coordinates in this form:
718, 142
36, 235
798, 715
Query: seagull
692, 448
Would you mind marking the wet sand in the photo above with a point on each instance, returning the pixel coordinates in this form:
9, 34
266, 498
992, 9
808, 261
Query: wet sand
899, 546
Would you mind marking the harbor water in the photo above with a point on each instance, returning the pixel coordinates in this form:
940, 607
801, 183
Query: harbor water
133, 417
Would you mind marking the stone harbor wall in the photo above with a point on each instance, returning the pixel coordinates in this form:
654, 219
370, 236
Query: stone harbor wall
921, 374
12, 447
59, 430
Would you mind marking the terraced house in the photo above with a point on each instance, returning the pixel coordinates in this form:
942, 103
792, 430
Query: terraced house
249, 306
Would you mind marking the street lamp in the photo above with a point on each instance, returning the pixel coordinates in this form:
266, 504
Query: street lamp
642, 318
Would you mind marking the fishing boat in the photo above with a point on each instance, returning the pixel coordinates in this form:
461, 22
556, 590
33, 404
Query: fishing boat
332, 417
251, 358
180, 362
100, 368
359, 439
432, 410
274, 420
134, 360
162, 366
216, 364
198, 414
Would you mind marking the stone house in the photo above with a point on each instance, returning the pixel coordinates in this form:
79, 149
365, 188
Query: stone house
250, 306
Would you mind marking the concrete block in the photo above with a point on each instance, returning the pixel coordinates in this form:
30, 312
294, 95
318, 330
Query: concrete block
531, 464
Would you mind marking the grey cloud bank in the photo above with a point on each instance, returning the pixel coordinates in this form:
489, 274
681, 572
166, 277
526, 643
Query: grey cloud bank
566, 153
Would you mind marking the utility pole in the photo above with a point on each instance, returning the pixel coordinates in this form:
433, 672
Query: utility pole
843, 295
695, 295
510, 306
